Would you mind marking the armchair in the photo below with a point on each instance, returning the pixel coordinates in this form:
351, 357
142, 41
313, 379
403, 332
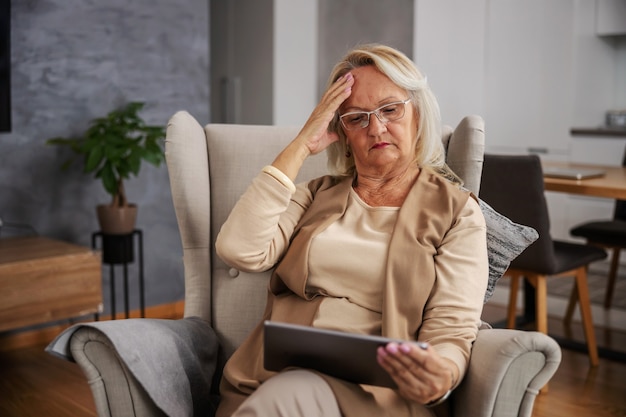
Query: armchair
209, 168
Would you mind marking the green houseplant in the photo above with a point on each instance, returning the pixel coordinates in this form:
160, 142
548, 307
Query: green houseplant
113, 148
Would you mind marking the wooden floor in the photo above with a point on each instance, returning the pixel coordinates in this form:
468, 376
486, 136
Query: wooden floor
33, 383
36, 384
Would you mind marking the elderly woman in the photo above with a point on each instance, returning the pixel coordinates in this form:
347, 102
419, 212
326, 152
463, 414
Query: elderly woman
390, 244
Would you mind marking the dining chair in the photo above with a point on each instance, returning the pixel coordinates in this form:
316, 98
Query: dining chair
513, 185
608, 234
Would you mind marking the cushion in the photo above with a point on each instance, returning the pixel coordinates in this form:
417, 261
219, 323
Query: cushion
505, 241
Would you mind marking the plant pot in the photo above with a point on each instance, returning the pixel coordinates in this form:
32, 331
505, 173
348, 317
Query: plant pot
115, 220
117, 249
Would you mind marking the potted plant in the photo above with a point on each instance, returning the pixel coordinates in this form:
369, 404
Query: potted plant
113, 149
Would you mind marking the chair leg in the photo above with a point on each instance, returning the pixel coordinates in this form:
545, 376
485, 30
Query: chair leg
610, 286
540, 282
585, 312
541, 303
571, 305
512, 310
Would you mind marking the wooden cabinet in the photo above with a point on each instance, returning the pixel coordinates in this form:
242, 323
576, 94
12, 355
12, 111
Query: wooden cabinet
44, 280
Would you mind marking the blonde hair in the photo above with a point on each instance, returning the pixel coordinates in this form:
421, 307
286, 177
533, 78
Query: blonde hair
429, 150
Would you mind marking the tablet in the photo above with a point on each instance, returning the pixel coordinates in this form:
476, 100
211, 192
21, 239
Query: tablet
573, 173
348, 356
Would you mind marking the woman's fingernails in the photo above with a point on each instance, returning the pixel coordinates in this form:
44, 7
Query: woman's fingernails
392, 348
405, 347
422, 345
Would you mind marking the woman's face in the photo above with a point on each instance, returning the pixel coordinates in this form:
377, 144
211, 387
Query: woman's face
380, 149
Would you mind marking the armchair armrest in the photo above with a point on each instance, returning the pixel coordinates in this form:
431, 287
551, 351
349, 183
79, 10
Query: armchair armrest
506, 371
150, 366
115, 390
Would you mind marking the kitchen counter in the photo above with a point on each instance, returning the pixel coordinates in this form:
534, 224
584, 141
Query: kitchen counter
599, 131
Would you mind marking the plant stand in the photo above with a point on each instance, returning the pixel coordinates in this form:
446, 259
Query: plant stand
120, 250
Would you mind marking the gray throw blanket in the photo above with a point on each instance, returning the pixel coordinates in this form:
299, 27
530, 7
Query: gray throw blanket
174, 360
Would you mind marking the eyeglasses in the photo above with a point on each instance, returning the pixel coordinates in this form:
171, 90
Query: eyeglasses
360, 119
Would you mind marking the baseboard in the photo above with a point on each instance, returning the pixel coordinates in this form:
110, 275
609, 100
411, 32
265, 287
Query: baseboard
42, 336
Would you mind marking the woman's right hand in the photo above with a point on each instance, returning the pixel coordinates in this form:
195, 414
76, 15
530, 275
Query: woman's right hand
314, 136
315, 131
422, 375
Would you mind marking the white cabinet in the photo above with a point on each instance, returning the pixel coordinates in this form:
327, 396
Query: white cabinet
601, 150
533, 69
449, 47
529, 74
610, 17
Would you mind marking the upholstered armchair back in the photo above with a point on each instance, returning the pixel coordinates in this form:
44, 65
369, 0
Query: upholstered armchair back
209, 169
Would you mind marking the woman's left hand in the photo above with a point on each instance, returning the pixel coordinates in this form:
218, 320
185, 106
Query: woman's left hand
418, 370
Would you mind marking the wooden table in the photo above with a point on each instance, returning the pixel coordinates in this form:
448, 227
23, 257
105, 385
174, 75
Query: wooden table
611, 185
44, 280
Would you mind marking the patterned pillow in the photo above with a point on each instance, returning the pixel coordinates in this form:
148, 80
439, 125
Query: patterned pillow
505, 241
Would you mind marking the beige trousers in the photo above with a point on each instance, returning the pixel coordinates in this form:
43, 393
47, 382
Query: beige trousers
295, 393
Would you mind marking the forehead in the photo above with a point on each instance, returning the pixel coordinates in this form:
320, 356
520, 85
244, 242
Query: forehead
372, 88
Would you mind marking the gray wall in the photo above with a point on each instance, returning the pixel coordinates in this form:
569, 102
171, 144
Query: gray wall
73, 60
